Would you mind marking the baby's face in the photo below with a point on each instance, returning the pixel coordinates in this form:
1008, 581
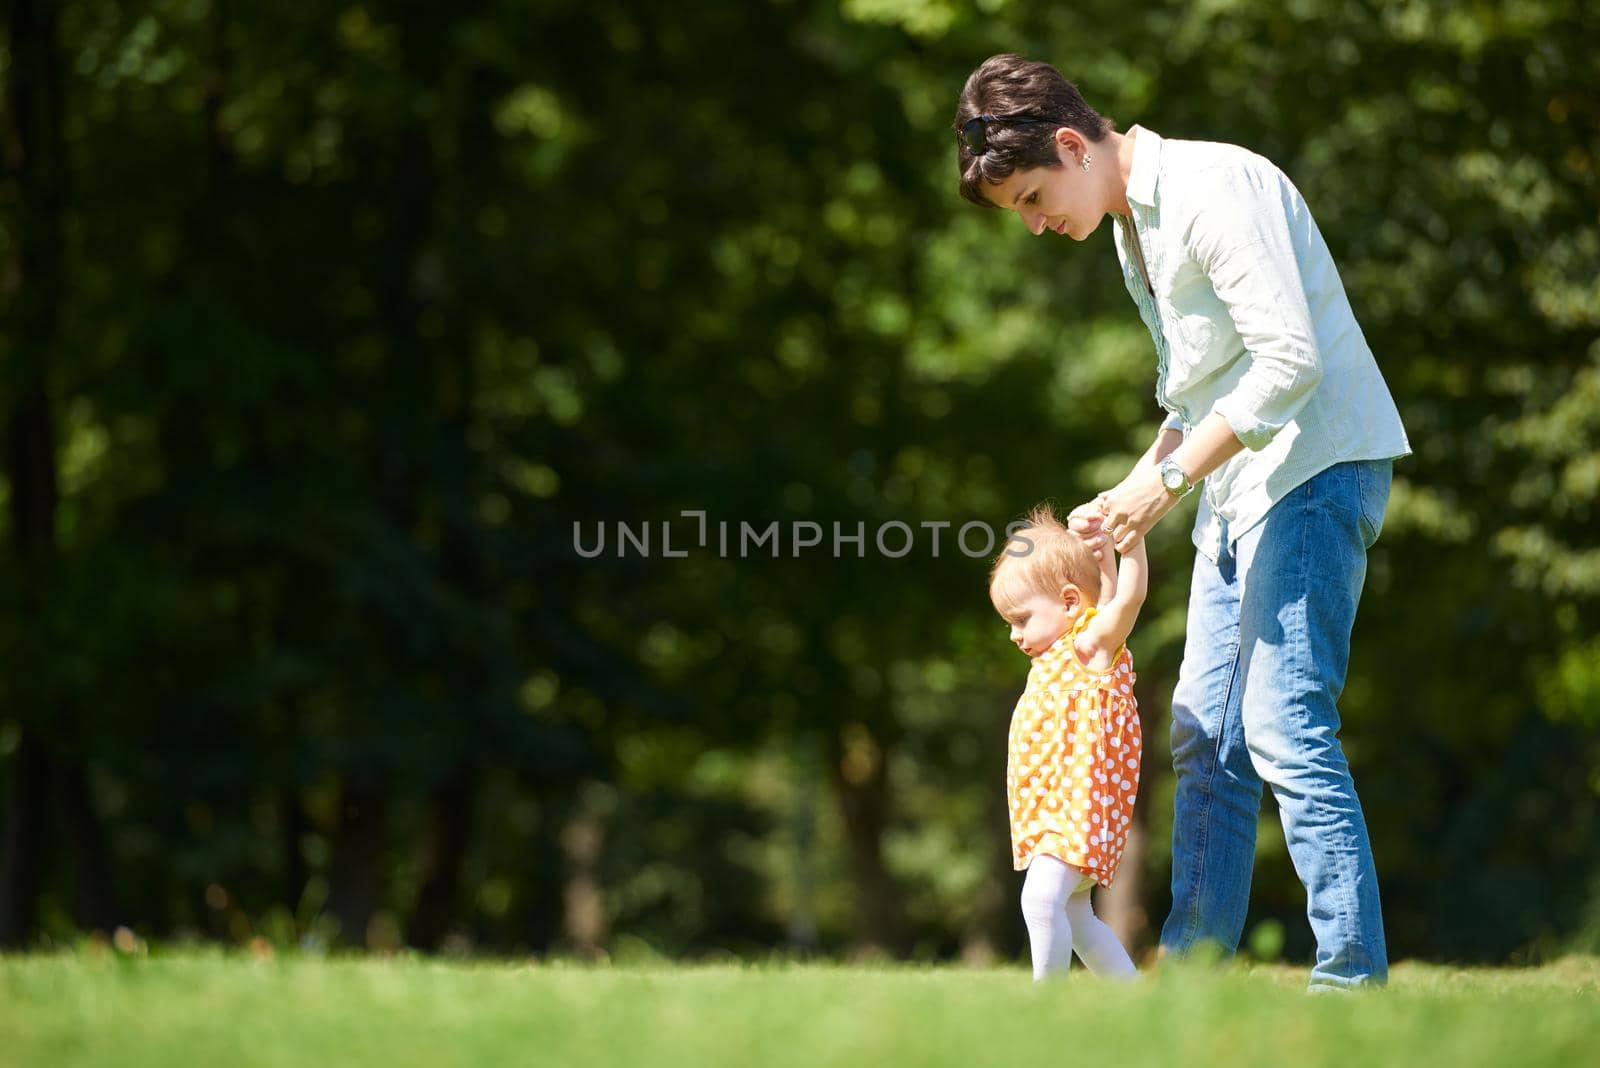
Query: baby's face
1037, 621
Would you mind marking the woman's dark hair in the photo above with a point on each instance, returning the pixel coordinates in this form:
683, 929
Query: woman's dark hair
1010, 85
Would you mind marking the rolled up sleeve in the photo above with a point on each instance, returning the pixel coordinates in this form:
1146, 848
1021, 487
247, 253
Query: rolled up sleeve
1242, 236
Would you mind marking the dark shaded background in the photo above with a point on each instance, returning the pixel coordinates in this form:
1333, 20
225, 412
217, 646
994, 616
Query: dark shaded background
325, 324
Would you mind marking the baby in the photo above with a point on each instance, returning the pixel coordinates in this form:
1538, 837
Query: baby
1072, 767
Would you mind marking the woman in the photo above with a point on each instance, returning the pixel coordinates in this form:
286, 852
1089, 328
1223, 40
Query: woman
1275, 405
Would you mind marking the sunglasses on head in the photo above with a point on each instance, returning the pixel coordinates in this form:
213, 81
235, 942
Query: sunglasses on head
975, 131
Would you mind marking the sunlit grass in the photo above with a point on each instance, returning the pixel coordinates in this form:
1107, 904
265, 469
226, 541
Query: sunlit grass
214, 1009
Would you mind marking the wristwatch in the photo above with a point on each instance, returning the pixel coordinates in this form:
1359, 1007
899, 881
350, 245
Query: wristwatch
1174, 478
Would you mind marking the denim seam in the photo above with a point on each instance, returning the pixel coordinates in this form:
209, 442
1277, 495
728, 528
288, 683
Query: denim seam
1365, 488
1348, 906
1202, 849
1352, 906
1363, 510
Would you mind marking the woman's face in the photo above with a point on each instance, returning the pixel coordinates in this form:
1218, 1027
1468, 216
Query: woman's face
1062, 199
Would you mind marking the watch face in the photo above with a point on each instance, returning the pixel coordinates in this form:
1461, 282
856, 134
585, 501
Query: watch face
1172, 478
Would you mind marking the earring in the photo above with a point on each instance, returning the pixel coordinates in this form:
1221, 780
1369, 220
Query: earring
1086, 159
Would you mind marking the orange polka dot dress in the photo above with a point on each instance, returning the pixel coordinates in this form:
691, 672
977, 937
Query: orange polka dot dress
1072, 770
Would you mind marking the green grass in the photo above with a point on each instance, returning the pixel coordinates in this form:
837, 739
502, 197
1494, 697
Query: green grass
214, 1009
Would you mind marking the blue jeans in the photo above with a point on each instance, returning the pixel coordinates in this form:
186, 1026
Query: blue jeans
1257, 701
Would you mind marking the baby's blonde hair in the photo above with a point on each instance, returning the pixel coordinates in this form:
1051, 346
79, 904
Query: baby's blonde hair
1057, 557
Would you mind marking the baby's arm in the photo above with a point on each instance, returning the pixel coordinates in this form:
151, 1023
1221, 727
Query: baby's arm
1108, 578
1111, 626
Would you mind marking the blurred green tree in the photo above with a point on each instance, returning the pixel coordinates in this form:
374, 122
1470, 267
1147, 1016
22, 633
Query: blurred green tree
336, 331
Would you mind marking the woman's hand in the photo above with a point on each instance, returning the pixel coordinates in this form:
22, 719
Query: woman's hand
1120, 518
1087, 521
1133, 506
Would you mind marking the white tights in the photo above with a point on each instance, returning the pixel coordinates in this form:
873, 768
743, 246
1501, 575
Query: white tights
1060, 919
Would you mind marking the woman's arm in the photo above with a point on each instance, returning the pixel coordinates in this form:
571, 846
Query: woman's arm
1245, 235
1209, 446
1140, 500
1167, 438
1088, 521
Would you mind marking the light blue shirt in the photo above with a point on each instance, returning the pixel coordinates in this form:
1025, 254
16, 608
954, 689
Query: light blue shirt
1251, 321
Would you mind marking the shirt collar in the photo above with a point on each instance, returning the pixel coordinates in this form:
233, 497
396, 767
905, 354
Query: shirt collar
1146, 167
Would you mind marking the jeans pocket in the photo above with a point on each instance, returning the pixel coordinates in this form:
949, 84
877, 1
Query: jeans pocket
1373, 479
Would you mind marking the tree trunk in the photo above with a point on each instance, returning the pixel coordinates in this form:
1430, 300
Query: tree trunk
219, 150
294, 826
1122, 906
803, 826
27, 811
449, 834
32, 292
860, 771
94, 904
583, 924
355, 889
540, 920
993, 928
1125, 907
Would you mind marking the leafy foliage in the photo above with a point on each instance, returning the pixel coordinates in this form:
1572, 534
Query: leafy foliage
365, 310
